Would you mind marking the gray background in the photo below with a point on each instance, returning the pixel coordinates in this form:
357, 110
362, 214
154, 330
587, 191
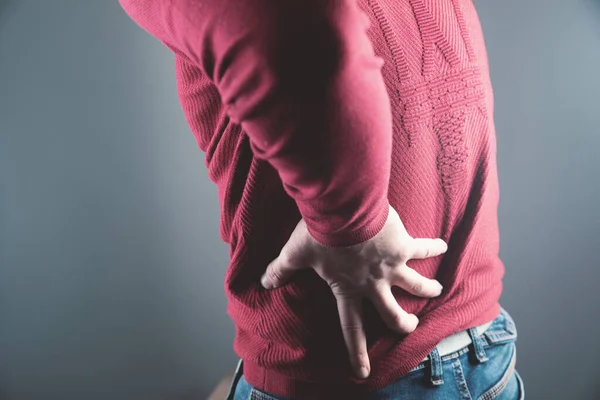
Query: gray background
111, 278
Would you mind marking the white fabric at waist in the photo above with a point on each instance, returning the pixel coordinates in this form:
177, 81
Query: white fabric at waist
458, 340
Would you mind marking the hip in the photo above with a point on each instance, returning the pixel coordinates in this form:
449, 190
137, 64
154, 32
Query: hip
483, 369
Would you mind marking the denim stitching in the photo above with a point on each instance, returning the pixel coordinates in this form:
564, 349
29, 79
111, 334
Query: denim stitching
497, 338
436, 368
460, 380
418, 367
501, 385
503, 330
521, 386
456, 354
257, 395
447, 357
478, 346
499, 332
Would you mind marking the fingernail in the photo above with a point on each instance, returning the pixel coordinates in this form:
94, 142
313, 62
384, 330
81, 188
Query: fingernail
363, 373
440, 287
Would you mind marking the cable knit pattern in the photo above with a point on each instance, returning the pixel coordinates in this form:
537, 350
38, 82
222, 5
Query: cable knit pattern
442, 175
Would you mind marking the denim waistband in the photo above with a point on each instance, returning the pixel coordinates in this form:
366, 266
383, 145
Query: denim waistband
459, 340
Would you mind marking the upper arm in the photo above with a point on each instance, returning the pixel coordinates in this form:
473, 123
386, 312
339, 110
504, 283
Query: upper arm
296, 46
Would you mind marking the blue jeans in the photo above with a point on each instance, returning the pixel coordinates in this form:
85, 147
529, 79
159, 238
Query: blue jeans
483, 370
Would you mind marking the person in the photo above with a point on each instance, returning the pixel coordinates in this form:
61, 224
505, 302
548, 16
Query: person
353, 146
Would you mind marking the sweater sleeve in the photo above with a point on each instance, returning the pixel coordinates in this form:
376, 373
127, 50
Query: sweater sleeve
302, 79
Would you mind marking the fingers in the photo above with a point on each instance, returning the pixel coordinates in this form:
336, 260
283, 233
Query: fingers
390, 311
415, 283
279, 271
425, 248
350, 310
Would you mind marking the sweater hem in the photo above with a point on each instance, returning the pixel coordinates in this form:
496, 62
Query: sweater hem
271, 381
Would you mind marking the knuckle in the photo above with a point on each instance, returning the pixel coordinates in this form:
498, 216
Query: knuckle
417, 287
351, 328
273, 274
345, 290
340, 291
336, 289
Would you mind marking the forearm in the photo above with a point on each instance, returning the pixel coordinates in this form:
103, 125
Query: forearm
304, 83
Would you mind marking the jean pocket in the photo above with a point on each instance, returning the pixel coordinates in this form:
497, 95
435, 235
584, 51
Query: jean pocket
496, 378
504, 384
502, 330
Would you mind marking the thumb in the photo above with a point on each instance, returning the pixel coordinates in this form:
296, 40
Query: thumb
278, 273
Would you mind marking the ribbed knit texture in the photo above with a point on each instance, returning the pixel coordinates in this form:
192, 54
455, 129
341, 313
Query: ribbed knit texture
298, 107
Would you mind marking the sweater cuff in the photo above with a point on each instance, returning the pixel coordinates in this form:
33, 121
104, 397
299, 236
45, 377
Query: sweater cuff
366, 232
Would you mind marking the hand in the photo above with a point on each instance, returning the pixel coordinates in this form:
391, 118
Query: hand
368, 269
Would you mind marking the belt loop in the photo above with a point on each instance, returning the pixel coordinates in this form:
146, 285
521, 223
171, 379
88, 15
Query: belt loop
436, 367
477, 344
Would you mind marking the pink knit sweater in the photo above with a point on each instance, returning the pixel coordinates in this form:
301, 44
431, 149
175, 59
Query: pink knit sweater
329, 110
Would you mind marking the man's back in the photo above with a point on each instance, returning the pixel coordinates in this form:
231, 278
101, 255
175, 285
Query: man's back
442, 181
